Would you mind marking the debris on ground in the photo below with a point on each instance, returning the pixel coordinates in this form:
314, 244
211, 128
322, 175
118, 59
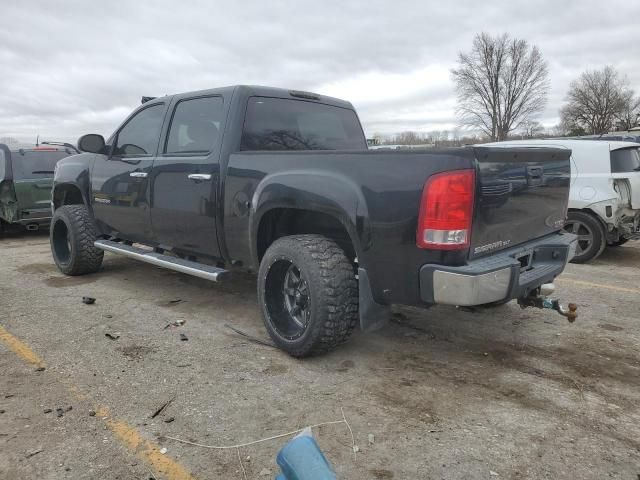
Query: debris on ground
2, 411
302, 455
163, 450
169, 420
162, 407
176, 324
494, 474
47, 410
88, 300
112, 335
92, 413
183, 337
265, 472
40, 369
31, 453
372, 439
9, 395
250, 337
61, 411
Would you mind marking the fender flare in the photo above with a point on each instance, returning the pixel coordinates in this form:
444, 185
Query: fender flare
315, 191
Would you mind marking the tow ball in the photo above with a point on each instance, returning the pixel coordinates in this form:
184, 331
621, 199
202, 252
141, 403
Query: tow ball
539, 299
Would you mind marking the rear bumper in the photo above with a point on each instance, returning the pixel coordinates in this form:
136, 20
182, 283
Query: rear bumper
501, 277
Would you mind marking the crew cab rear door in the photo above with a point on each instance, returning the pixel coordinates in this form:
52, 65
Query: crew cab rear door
522, 194
185, 176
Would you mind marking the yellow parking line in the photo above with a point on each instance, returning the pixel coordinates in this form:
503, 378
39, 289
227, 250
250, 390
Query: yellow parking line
146, 450
20, 348
599, 285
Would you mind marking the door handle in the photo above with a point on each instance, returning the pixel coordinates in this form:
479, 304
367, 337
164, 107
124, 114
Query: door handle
139, 174
199, 176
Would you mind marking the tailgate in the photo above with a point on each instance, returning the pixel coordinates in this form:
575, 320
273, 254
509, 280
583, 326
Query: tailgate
522, 194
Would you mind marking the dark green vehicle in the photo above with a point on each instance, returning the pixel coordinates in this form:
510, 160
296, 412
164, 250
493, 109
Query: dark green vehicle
26, 177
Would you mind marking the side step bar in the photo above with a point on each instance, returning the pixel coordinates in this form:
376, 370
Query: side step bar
172, 263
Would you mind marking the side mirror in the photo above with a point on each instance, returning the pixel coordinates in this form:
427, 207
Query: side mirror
92, 143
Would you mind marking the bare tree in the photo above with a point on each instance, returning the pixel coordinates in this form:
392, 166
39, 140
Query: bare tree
629, 115
531, 128
595, 101
501, 82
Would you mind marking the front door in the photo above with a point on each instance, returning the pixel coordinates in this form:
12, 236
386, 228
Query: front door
185, 175
120, 193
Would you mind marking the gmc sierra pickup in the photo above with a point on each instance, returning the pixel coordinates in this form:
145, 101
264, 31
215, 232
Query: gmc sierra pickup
281, 183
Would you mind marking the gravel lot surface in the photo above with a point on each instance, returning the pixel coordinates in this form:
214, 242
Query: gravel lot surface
437, 394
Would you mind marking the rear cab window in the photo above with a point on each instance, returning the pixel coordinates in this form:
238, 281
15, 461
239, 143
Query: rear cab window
285, 124
34, 164
625, 160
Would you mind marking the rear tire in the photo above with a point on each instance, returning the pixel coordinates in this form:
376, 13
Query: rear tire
71, 235
591, 236
308, 294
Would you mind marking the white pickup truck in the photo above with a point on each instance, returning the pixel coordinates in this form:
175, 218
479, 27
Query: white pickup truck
604, 200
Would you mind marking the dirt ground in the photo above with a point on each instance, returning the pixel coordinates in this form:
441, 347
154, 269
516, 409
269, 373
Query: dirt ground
437, 394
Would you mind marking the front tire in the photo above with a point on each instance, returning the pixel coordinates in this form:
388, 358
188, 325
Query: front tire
591, 236
308, 294
71, 235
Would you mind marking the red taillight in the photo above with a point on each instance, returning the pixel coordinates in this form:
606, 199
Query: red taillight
446, 211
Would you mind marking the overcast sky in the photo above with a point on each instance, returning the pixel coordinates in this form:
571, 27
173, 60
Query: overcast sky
74, 67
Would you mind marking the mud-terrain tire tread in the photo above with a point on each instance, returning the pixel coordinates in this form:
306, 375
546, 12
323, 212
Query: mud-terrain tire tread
85, 257
333, 284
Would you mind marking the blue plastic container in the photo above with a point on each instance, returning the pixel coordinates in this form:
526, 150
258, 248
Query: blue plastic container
302, 459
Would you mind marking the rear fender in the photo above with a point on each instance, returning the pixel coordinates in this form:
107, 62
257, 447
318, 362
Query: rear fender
316, 191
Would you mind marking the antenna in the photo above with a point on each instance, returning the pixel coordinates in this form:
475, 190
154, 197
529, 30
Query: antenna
38, 140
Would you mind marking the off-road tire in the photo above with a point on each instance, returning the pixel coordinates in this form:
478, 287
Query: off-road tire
333, 288
599, 236
78, 256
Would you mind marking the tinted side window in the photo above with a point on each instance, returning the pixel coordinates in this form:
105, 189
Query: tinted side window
139, 137
195, 126
625, 160
283, 124
31, 164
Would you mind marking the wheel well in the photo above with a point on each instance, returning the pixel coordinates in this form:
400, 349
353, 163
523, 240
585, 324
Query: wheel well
282, 222
67, 195
593, 214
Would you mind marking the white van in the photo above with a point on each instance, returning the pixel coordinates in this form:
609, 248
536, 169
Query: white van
604, 202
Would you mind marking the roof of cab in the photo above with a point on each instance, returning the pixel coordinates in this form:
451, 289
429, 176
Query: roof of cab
262, 91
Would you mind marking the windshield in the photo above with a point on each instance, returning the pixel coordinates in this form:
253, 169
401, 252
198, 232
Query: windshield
35, 163
625, 160
284, 124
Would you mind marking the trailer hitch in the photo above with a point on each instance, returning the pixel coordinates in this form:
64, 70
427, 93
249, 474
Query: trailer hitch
538, 298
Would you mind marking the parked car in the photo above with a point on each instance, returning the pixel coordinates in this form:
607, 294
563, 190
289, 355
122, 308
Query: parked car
281, 183
26, 178
604, 203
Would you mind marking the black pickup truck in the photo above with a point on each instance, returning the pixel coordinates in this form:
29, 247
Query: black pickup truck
281, 183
